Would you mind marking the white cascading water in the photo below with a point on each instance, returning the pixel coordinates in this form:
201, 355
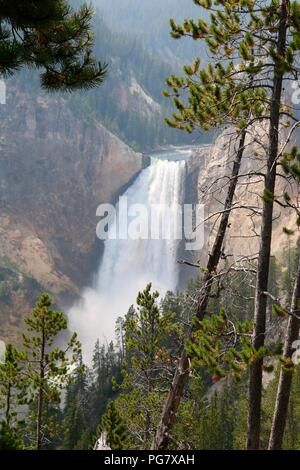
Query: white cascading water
128, 265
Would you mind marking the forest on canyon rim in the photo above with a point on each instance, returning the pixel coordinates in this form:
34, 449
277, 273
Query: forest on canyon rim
213, 365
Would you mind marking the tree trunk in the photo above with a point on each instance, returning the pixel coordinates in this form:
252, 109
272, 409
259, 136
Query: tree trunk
40, 403
285, 378
255, 382
161, 438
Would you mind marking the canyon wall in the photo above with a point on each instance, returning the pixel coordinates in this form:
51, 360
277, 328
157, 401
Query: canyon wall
242, 238
55, 169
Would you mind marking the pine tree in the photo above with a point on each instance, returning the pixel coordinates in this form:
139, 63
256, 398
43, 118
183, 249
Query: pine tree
9, 438
50, 36
152, 338
114, 428
119, 333
105, 366
12, 385
48, 366
76, 407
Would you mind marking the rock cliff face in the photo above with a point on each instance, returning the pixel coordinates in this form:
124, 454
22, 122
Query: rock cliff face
242, 235
55, 169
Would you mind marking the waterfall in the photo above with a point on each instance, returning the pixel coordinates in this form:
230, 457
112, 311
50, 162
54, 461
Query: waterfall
128, 265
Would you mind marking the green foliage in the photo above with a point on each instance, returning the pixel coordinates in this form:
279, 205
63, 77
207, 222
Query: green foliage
9, 438
222, 343
147, 331
292, 431
208, 417
50, 36
211, 415
76, 408
47, 365
114, 428
222, 92
222, 347
13, 385
87, 396
153, 338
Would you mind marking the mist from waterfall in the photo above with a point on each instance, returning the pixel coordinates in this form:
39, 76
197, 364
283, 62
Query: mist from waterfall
128, 265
